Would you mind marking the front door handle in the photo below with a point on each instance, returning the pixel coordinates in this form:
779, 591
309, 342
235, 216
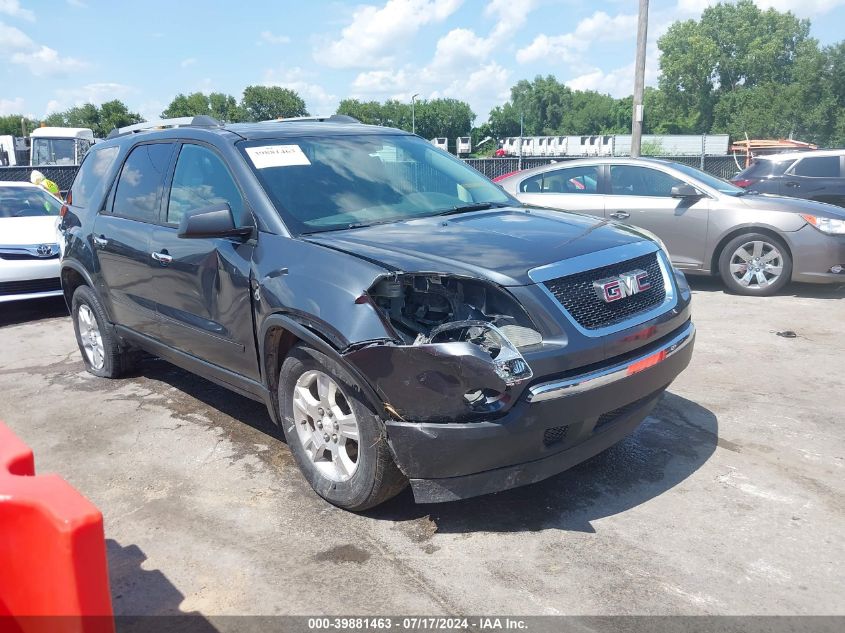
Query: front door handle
100, 241
792, 183
620, 215
162, 258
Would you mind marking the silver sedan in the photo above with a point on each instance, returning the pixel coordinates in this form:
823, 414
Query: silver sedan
756, 243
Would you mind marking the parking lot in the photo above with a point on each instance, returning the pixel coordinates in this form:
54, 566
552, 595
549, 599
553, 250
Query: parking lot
727, 500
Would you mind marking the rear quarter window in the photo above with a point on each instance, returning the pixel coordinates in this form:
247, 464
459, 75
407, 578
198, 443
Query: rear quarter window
765, 169
91, 178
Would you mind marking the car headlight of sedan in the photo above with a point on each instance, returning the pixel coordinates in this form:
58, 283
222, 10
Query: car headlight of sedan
826, 225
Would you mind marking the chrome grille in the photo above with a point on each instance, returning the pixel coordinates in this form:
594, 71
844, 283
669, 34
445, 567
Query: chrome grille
578, 297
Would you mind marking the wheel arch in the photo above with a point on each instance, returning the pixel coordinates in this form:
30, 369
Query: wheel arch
72, 276
716, 255
279, 333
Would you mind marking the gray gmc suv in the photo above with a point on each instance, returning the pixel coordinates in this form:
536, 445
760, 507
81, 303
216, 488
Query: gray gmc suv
402, 318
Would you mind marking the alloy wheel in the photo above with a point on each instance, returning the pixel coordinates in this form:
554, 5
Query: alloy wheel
326, 425
756, 264
89, 334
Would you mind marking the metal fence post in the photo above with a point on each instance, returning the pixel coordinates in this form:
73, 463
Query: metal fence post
703, 149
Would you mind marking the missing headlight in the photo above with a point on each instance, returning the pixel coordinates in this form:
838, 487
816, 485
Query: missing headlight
417, 304
507, 361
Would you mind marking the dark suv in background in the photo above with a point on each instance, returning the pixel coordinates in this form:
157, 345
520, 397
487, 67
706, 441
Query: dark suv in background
401, 317
817, 175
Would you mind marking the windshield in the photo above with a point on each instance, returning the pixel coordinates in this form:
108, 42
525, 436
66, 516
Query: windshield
53, 151
722, 186
334, 182
22, 202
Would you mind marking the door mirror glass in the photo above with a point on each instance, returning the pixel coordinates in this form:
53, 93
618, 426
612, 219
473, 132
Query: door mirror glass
685, 191
214, 221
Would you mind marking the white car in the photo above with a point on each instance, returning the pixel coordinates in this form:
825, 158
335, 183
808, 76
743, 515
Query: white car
29, 242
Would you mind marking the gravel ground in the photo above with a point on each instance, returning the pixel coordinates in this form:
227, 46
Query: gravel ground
727, 500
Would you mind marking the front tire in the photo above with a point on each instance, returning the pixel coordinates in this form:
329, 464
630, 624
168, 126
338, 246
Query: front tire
755, 265
102, 354
338, 442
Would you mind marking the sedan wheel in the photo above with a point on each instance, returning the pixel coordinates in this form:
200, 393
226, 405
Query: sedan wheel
756, 264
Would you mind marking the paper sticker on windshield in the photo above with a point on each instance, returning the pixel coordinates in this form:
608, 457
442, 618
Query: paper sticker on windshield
277, 156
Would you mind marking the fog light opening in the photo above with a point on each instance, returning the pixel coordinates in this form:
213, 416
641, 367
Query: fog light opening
838, 269
485, 399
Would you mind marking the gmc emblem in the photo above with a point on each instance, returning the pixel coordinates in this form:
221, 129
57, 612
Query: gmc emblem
613, 289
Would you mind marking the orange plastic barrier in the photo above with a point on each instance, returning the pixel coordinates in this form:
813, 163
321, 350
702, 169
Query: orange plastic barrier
53, 573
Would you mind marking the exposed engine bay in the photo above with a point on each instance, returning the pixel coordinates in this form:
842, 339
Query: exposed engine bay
431, 308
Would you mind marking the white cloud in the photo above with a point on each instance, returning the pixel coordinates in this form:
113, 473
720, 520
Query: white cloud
96, 93
11, 106
14, 39
510, 15
46, 61
618, 82
801, 8
377, 34
598, 27
14, 9
190, 61
318, 101
267, 37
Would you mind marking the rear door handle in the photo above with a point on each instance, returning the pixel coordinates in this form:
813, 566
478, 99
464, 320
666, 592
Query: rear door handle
163, 258
100, 241
620, 215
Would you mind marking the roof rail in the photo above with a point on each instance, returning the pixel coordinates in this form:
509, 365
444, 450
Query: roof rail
186, 121
336, 118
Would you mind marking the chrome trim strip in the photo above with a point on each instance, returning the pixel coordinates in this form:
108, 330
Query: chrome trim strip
596, 259
600, 378
30, 249
599, 259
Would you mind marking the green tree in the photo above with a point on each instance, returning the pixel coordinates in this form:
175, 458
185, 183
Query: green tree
262, 103
436, 117
11, 124
732, 47
221, 106
102, 119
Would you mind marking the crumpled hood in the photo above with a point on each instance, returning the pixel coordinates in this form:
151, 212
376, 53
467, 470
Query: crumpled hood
501, 245
29, 230
768, 202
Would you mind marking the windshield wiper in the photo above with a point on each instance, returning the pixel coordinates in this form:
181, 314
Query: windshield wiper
466, 208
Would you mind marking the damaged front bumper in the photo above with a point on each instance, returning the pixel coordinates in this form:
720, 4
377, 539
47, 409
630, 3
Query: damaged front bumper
523, 435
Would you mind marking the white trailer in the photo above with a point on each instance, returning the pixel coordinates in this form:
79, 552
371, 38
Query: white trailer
441, 142
59, 145
464, 145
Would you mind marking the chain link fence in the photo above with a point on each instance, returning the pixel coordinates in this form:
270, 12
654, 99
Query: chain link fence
62, 175
721, 166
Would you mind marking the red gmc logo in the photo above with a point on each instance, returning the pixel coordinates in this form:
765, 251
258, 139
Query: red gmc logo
613, 289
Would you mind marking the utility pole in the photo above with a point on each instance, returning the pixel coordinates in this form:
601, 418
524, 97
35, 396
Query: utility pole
413, 114
639, 80
521, 123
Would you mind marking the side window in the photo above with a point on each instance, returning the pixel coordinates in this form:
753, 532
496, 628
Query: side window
202, 180
139, 188
818, 167
583, 179
90, 179
627, 180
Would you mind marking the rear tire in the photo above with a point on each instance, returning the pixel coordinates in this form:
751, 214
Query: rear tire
101, 352
755, 265
338, 442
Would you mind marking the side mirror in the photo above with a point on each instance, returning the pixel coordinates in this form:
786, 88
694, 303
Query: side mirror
685, 191
214, 221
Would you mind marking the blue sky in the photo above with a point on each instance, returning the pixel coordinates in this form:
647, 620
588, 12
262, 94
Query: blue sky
62, 53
